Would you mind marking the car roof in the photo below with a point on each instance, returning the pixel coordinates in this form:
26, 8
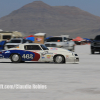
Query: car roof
16, 38
56, 36
30, 44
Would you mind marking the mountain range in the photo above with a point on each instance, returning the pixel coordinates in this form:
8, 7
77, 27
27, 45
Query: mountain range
38, 17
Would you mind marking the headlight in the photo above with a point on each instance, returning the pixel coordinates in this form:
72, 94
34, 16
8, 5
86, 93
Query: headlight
76, 55
17, 46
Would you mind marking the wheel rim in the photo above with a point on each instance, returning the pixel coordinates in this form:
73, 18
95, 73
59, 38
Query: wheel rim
59, 59
15, 57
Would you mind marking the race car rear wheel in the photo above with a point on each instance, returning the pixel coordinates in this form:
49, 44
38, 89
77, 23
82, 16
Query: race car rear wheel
16, 58
59, 59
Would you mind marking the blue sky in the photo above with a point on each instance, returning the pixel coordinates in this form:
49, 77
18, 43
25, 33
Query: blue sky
91, 6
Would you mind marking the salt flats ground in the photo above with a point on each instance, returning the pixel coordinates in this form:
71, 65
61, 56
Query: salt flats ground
64, 81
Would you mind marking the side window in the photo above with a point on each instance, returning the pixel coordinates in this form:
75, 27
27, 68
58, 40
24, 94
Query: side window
65, 38
6, 36
44, 47
32, 47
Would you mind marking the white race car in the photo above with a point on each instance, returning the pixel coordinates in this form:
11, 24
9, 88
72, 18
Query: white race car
40, 53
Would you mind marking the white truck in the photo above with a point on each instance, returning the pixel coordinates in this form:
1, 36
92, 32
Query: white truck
62, 41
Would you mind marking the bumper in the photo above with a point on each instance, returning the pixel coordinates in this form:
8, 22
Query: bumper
1, 56
72, 60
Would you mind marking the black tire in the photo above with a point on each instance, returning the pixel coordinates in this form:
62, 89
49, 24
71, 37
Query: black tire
59, 59
92, 51
15, 58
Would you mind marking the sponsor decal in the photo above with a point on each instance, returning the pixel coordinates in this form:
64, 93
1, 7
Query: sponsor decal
7, 51
49, 53
48, 56
53, 48
46, 52
38, 39
43, 57
67, 56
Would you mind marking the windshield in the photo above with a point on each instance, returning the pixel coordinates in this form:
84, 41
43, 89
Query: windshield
54, 39
15, 41
97, 37
44, 47
6, 36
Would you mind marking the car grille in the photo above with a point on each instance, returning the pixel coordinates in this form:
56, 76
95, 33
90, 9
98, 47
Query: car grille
50, 45
10, 46
97, 44
97, 48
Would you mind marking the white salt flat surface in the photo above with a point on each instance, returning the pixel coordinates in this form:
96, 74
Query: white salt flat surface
64, 81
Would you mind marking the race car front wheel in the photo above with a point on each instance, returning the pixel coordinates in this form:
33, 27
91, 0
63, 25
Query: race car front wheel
15, 58
59, 59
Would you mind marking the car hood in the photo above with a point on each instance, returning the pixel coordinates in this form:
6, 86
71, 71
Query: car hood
52, 49
96, 40
57, 43
13, 43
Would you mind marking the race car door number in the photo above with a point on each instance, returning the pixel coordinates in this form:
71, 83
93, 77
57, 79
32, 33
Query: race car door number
27, 56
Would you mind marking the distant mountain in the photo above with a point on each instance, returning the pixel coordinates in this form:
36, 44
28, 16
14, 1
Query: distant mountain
53, 20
